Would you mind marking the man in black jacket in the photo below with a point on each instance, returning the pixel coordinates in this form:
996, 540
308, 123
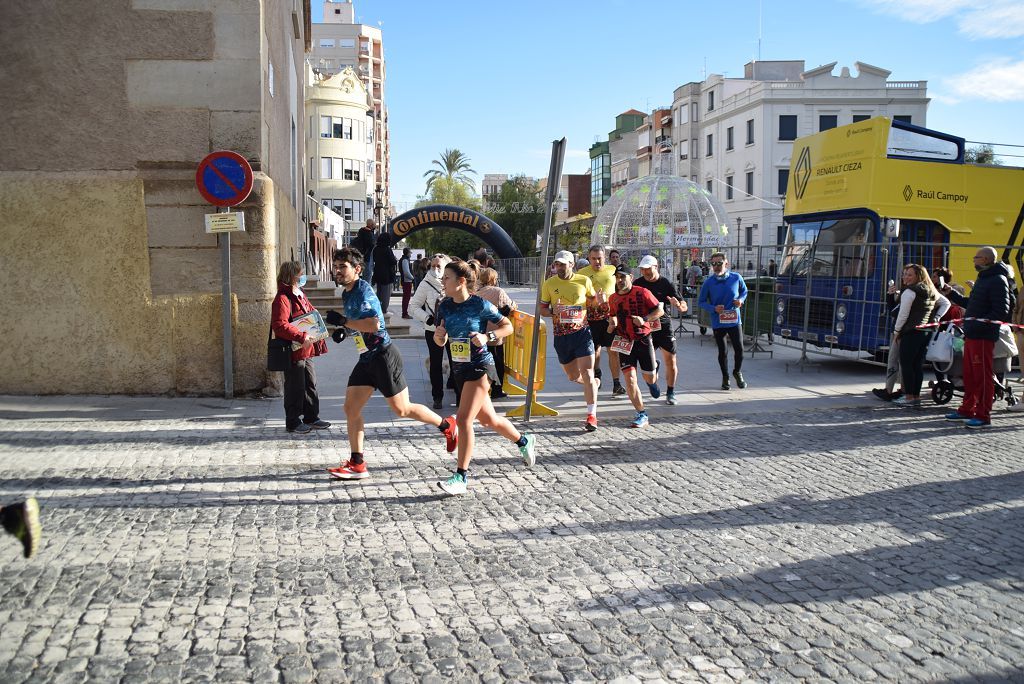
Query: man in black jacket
989, 301
364, 241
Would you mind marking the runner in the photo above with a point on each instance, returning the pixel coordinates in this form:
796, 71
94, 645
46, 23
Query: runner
563, 297
722, 295
603, 277
632, 311
462, 320
661, 331
379, 366
21, 520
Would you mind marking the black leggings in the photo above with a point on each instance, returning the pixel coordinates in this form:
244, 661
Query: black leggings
736, 338
913, 347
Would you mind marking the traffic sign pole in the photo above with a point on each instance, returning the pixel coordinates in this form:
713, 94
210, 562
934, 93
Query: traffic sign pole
225, 317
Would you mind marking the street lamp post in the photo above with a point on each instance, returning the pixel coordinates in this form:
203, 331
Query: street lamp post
378, 207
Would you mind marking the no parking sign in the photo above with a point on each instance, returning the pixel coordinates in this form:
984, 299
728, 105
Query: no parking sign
224, 178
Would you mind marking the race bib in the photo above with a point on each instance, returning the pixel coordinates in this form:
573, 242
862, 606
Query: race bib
621, 345
360, 343
571, 315
460, 349
655, 325
730, 316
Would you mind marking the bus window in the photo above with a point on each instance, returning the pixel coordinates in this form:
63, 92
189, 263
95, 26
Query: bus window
840, 248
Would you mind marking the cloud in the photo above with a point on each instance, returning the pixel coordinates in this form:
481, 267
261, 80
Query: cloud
1001, 80
979, 19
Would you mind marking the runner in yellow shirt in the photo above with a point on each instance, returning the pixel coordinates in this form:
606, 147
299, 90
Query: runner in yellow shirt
564, 298
603, 277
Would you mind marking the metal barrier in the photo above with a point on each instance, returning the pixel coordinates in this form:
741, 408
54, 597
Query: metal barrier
517, 362
525, 272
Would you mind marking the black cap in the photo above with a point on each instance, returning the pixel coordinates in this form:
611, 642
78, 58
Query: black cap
623, 268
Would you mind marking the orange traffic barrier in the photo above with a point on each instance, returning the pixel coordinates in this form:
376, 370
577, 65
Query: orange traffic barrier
517, 363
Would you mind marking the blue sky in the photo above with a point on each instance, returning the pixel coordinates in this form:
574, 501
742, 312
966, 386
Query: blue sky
500, 81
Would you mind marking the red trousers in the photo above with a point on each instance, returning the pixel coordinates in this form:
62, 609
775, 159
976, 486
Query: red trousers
406, 296
979, 389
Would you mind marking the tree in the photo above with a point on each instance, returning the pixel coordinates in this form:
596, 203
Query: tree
453, 166
519, 208
982, 154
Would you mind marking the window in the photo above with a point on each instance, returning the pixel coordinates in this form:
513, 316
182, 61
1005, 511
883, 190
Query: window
325, 167
312, 168
270, 78
750, 131
709, 185
346, 42
337, 168
783, 181
787, 127
683, 115
748, 238
905, 118
693, 112
693, 178
327, 42
830, 259
325, 127
728, 138
860, 117
728, 187
780, 237
693, 148
827, 121
750, 183
711, 101
709, 149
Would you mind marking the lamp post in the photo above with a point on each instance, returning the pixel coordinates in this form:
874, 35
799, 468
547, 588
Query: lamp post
739, 229
378, 206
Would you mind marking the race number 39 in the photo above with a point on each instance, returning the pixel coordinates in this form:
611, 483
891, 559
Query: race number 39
460, 350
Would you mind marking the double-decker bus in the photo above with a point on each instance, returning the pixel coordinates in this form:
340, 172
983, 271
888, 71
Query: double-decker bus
864, 200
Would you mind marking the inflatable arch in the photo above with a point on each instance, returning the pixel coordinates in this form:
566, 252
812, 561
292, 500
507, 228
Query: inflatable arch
460, 218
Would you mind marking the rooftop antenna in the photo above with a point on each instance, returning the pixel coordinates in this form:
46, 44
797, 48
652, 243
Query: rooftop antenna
760, 27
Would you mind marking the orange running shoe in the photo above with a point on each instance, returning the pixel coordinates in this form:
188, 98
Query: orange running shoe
591, 423
349, 471
451, 433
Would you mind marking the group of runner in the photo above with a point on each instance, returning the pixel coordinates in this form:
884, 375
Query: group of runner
600, 307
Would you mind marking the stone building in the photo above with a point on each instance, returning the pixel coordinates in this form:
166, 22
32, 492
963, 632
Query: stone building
112, 284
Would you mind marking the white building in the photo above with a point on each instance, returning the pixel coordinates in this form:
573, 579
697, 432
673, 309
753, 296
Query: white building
340, 145
340, 43
735, 135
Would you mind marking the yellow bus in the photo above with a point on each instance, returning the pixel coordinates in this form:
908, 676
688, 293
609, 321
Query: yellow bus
867, 198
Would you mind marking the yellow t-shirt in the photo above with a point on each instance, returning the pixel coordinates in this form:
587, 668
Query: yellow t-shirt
604, 281
568, 299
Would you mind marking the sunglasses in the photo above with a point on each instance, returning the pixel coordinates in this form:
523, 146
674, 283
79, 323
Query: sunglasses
717, 263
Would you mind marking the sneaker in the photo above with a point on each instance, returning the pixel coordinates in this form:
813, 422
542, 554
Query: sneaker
725, 382
22, 521
319, 425
653, 387
438, 403
956, 415
451, 433
301, 428
349, 471
618, 390
977, 424
454, 485
529, 451
740, 382
882, 394
670, 397
591, 423
641, 420
597, 381
906, 403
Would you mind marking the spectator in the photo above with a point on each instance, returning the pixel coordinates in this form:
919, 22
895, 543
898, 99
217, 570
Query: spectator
892, 367
489, 291
424, 303
405, 273
773, 270
364, 241
613, 257
941, 277
384, 267
419, 269
917, 301
989, 301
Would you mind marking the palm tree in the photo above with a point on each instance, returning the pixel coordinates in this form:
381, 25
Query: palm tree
454, 166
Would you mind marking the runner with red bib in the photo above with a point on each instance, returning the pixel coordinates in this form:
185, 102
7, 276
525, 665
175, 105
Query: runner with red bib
633, 309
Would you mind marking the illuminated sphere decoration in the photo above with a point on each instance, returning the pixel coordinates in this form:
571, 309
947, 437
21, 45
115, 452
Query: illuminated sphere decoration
661, 211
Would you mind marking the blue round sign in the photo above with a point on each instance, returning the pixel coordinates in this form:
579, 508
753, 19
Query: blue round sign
224, 178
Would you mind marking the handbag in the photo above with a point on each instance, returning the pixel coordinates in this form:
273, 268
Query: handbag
1005, 347
940, 347
279, 354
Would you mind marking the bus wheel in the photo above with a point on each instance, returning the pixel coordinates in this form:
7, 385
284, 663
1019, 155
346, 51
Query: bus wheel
942, 392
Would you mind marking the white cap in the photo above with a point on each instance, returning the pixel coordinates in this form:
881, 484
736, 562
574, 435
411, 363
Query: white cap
648, 261
565, 257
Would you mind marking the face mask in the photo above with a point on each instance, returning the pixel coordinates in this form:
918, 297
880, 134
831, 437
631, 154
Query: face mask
302, 280
437, 273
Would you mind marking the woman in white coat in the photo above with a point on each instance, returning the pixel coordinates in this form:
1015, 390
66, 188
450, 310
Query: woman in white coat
423, 307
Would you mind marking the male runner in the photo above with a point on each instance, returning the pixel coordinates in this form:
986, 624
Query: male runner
632, 311
661, 331
379, 366
603, 277
722, 295
563, 298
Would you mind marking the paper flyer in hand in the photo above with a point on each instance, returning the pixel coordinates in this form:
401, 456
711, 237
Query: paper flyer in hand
312, 324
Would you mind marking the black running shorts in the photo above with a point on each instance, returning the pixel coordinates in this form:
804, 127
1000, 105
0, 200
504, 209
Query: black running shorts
383, 371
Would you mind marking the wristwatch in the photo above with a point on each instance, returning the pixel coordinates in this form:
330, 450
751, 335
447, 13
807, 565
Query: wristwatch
491, 337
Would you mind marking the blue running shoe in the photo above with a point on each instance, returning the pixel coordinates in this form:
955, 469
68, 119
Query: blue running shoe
653, 387
641, 420
956, 415
976, 424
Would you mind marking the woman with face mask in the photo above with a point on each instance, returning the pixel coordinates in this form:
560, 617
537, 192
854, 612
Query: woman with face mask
423, 307
301, 401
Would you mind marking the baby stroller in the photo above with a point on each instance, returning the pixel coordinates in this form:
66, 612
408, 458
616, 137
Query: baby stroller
949, 378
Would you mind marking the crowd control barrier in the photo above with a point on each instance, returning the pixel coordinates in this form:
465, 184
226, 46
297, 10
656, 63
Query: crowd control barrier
517, 363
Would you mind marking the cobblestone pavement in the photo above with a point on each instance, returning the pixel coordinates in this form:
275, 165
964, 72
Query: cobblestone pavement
192, 540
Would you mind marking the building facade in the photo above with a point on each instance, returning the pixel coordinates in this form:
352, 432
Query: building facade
339, 43
735, 136
102, 226
340, 144
623, 157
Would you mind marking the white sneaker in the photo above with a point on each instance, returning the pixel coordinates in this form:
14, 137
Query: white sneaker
529, 451
454, 485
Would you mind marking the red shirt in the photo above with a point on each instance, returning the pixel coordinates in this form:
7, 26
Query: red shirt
637, 302
287, 305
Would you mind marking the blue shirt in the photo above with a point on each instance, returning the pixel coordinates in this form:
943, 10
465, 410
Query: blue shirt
462, 320
722, 291
360, 302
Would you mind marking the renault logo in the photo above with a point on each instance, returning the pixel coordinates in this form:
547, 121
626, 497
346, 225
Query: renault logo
803, 171
908, 193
